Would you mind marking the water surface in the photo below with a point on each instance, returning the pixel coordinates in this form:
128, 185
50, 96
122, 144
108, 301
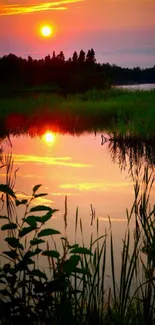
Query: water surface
91, 175
138, 87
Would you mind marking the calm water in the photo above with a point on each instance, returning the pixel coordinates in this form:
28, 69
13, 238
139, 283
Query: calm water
85, 171
139, 87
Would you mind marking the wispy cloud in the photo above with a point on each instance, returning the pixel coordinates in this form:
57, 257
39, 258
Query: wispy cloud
59, 161
96, 186
40, 200
114, 219
29, 175
63, 194
16, 9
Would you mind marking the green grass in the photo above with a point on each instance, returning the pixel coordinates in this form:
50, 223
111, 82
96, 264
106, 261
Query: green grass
74, 291
123, 111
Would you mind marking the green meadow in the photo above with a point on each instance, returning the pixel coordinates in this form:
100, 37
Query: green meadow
116, 110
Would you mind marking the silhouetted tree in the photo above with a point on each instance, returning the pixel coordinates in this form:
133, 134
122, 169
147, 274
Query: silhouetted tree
82, 57
47, 59
77, 74
75, 57
61, 56
53, 56
91, 56
30, 60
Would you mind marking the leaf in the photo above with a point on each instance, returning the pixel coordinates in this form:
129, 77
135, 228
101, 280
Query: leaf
36, 187
31, 220
41, 194
69, 266
73, 246
7, 190
40, 208
51, 253
48, 215
56, 285
9, 226
36, 241
4, 217
47, 232
36, 218
82, 271
25, 231
22, 265
12, 241
39, 273
21, 202
12, 254
39, 286
81, 250
29, 254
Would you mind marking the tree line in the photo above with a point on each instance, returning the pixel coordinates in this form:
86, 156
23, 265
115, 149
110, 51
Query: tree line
80, 72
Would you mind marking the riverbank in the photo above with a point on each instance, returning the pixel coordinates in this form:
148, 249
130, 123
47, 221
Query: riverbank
116, 110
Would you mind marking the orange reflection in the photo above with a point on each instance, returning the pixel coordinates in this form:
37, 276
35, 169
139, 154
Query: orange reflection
48, 137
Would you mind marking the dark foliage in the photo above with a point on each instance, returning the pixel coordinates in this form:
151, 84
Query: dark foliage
77, 74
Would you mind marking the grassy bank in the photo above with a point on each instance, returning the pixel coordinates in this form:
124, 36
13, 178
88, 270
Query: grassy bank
73, 291
111, 110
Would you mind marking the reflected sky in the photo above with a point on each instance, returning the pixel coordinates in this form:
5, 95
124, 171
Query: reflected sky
82, 169
78, 167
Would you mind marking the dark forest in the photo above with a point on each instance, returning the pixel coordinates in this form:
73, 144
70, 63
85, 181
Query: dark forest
79, 73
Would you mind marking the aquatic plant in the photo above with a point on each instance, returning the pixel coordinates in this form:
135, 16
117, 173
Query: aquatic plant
113, 110
72, 288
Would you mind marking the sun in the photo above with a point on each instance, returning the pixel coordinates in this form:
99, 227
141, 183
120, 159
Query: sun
48, 137
46, 30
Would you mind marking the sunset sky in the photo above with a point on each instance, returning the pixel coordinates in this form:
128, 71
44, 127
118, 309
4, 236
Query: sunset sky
120, 31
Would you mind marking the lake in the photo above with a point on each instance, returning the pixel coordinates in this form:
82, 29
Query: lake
91, 170
138, 87
96, 173
92, 173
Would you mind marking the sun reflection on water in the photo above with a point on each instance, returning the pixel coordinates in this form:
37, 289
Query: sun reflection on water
48, 137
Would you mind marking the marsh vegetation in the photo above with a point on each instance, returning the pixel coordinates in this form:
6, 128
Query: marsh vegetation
114, 110
72, 289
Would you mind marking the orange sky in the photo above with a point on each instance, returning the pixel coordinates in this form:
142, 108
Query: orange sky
120, 31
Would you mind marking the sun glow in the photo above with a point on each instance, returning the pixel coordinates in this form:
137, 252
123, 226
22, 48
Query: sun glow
46, 30
48, 137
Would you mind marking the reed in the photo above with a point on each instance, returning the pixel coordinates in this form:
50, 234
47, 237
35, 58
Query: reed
109, 110
72, 290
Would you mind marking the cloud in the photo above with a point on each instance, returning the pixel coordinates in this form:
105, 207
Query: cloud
29, 175
114, 219
16, 9
23, 196
40, 200
59, 161
96, 186
62, 194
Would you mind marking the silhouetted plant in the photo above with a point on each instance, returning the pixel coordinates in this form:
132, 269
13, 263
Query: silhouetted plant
73, 289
